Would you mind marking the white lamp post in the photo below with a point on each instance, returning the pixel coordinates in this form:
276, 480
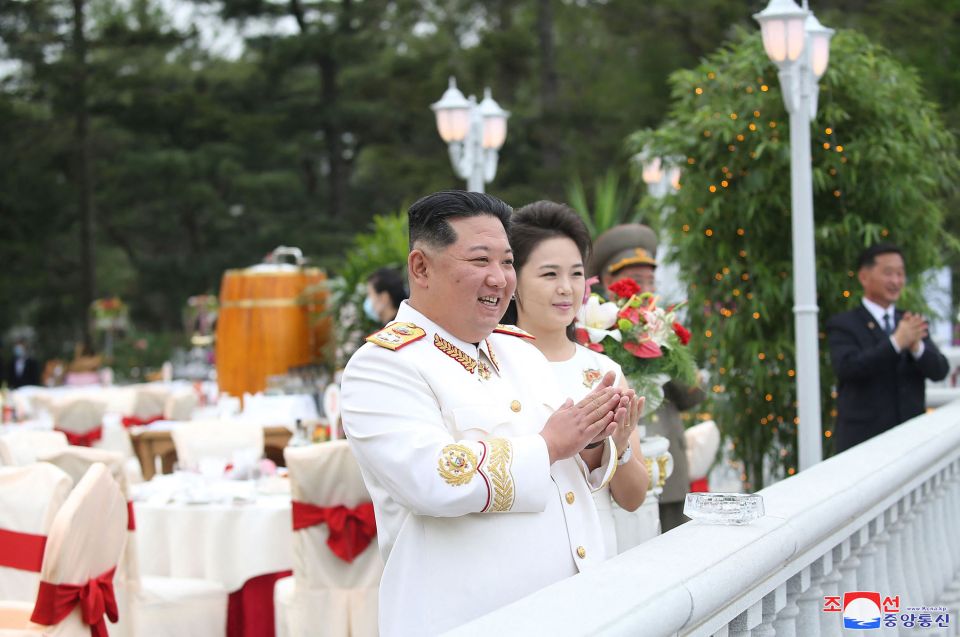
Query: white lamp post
662, 176
800, 47
474, 134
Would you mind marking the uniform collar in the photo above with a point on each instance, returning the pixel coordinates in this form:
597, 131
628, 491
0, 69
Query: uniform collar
407, 313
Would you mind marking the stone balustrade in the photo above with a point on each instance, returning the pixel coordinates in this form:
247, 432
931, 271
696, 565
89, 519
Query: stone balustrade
883, 516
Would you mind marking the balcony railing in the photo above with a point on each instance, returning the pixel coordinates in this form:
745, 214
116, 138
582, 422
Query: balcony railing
882, 517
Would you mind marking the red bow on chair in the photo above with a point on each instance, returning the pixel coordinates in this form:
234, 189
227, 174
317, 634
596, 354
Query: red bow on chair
133, 421
86, 439
351, 530
56, 601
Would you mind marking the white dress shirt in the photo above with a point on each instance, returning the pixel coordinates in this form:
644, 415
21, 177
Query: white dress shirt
878, 313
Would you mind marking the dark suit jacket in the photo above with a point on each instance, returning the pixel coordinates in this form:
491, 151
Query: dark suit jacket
877, 388
30, 375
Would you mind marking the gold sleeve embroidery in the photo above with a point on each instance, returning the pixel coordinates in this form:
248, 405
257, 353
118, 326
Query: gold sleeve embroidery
497, 467
457, 464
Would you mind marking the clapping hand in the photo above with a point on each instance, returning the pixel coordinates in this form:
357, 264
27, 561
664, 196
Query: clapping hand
596, 416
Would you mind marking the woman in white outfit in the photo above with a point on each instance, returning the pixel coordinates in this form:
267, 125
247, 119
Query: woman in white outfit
550, 247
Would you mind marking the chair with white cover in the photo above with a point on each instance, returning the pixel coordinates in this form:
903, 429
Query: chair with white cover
30, 497
327, 594
179, 405
80, 419
75, 597
21, 448
702, 442
148, 405
161, 606
228, 440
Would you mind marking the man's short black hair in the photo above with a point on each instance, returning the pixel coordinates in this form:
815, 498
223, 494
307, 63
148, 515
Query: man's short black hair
868, 258
428, 217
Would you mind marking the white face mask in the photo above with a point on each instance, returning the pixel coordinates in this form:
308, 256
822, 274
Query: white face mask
369, 311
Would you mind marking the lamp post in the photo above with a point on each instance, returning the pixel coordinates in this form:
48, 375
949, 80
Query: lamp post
800, 47
662, 176
473, 132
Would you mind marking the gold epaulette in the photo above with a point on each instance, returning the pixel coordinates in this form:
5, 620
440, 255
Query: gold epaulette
396, 335
513, 330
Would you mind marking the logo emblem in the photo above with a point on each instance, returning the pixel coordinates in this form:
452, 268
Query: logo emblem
861, 610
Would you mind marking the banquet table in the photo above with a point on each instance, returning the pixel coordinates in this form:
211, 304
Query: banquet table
232, 532
156, 441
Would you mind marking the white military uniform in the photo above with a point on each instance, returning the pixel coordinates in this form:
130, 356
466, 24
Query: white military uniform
446, 433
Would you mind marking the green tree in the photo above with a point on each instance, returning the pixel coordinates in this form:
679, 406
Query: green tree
884, 167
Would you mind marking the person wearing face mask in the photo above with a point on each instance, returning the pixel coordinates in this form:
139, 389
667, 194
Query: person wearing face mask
385, 292
22, 369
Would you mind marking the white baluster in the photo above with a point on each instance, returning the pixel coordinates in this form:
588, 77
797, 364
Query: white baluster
866, 553
744, 623
810, 602
917, 550
773, 603
848, 568
880, 541
831, 624
786, 621
912, 591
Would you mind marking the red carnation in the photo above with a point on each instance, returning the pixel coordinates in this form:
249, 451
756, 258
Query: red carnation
682, 333
625, 288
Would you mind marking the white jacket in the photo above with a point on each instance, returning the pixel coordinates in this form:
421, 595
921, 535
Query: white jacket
447, 435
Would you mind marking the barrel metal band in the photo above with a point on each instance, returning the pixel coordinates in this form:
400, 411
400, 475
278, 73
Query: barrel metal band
247, 304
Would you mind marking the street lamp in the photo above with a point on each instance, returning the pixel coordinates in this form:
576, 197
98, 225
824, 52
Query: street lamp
662, 176
474, 134
800, 47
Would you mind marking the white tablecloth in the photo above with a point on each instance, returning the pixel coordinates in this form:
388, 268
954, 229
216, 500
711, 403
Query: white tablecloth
279, 410
202, 534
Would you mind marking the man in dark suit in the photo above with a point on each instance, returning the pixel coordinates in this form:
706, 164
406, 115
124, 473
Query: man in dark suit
882, 356
22, 368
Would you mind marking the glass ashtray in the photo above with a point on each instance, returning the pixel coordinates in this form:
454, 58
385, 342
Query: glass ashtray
723, 508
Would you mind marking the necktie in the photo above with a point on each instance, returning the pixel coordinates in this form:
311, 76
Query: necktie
887, 324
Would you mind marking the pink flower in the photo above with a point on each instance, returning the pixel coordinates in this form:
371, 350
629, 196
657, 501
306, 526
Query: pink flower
644, 349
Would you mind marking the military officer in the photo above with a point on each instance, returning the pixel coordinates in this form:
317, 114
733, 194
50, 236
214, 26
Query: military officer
627, 252
479, 471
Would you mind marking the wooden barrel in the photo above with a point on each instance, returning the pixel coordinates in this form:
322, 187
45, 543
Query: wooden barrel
270, 320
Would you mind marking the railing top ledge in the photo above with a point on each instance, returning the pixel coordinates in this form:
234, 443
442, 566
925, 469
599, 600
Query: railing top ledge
681, 579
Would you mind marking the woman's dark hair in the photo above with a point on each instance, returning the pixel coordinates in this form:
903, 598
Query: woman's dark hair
428, 217
535, 223
390, 281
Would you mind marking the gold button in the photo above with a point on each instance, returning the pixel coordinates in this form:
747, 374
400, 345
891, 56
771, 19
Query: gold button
582, 552
515, 405
570, 497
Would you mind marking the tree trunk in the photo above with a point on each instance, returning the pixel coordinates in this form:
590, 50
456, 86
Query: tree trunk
333, 136
83, 171
549, 88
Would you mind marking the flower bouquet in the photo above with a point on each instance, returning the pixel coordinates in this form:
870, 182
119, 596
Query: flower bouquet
645, 339
109, 314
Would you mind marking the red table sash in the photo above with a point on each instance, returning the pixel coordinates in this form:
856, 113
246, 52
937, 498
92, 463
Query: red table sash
23, 551
96, 597
133, 421
131, 523
351, 530
85, 439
